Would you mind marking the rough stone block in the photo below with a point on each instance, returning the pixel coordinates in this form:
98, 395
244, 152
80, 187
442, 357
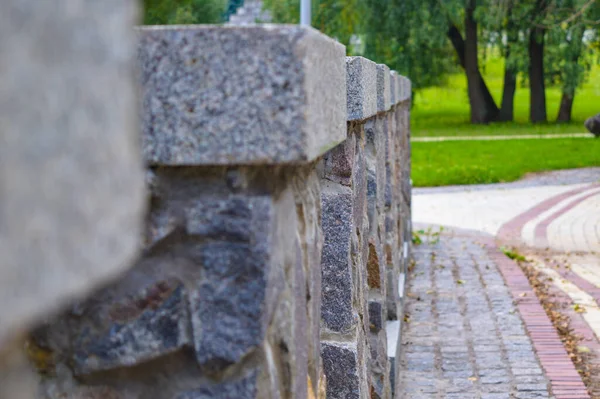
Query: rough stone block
359, 180
307, 191
71, 177
338, 280
379, 366
384, 88
228, 307
376, 316
123, 331
394, 88
210, 97
339, 162
362, 88
405, 88
344, 370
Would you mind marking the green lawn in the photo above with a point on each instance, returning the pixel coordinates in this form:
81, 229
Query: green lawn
444, 111
475, 162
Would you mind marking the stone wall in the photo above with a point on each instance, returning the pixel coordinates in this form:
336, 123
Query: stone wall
276, 230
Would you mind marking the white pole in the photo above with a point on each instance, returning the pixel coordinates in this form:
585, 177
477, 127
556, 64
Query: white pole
305, 12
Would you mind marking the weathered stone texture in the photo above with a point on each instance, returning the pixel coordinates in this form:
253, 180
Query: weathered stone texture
71, 177
278, 212
338, 278
210, 98
364, 231
384, 88
362, 88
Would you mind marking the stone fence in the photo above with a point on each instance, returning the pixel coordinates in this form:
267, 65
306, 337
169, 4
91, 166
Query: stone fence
277, 230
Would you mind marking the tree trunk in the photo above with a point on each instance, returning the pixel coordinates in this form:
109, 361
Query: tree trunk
537, 103
566, 106
508, 94
568, 92
510, 74
486, 106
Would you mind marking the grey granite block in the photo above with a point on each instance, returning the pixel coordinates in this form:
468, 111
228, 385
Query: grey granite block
362, 88
405, 88
71, 177
240, 95
342, 365
384, 88
394, 88
339, 285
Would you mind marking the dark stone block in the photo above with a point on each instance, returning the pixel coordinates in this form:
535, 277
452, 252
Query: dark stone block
337, 291
342, 372
122, 330
339, 162
376, 316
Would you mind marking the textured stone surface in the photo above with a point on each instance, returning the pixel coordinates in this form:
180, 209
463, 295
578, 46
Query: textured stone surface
341, 363
71, 183
405, 88
245, 219
339, 162
384, 88
362, 88
210, 98
394, 88
465, 337
338, 278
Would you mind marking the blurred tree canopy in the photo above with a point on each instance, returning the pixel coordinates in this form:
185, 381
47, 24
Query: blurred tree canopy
173, 12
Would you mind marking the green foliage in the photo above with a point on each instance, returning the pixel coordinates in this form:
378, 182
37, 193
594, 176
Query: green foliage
410, 37
513, 254
170, 12
433, 237
340, 19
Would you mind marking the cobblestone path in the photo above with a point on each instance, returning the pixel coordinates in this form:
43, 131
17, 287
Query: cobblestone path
463, 337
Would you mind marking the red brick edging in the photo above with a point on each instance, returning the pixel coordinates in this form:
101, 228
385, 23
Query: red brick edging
510, 232
565, 381
541, 230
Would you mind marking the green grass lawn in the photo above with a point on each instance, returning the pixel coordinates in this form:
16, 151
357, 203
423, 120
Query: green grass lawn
475, 162
444, 111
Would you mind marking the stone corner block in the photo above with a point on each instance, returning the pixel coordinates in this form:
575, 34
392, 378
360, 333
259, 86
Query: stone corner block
256, 94
362, 88
405, 88
383, 88
395, 87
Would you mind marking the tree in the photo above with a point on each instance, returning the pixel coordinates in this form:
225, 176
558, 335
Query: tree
483, 107
575, 51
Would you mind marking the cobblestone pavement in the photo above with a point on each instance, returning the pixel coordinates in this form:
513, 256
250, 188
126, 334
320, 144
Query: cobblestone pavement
464, 337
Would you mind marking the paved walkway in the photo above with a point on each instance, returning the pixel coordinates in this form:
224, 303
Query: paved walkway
505, 137
463, 337
465, 293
